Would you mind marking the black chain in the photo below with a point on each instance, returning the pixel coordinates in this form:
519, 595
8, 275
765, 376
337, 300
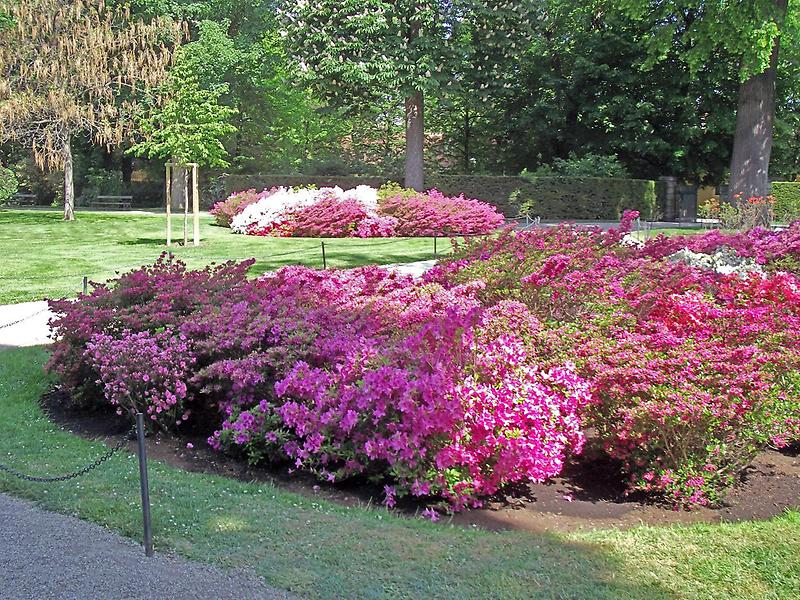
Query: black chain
90, 467
18, 321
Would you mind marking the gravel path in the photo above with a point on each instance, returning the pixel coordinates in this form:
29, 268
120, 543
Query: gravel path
47, 556
24, 324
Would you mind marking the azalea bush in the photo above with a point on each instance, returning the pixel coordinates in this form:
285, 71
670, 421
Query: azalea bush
488, 371
360, 212
692, 372
335, 372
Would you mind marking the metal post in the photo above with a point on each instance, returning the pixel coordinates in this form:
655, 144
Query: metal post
85, 285
324, 259
145, 484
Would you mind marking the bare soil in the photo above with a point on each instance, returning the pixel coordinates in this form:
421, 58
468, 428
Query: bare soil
590, 494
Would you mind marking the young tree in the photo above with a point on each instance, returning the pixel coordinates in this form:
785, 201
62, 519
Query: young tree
358, 50
76, 68
753, 34
191, 124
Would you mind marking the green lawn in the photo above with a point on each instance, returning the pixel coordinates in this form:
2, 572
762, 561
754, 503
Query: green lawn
321, 550
43, 256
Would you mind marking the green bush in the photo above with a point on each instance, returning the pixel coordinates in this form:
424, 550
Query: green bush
787, 200
588, 165
585, 198
8, 184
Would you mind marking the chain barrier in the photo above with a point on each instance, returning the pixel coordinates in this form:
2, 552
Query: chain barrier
23, 319
75, 474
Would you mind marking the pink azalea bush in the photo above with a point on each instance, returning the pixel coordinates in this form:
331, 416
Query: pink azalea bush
338, 372
433, 213
333, 212
225, 210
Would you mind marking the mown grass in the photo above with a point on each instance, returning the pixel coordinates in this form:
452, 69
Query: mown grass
43, 256
321, 550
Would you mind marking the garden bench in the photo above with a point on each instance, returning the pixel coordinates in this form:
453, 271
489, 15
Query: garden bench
120, 202
22, 200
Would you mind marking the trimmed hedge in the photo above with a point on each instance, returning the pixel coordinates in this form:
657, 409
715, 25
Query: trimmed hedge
586, 198
787, 200
590, 198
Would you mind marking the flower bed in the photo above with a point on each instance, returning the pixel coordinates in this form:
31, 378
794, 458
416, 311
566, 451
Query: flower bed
360, 212
486, 372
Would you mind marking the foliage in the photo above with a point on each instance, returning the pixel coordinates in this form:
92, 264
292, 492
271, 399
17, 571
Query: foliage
787, 200
98, 60
190, 125
588, 165
8, 184
585, 197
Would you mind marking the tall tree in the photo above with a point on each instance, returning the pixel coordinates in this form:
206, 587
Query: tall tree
76, 68
356, 51
753, 34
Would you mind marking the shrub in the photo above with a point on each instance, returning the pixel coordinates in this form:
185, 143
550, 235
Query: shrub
787, 200
225, 210
433, 213
588, 165
8, 184
692, 372
333, 212
339, 372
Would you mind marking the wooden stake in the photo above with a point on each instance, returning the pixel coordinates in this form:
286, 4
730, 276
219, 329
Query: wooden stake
169, 204
195, 206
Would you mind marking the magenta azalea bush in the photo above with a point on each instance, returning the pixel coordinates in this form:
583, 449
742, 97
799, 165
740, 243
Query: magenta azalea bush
503, 361
360, 212
336, 372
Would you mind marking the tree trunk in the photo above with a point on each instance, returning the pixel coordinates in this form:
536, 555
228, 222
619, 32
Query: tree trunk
69, 184
755, 117
179, 191
126, 168
185, 206
415, 142
467, 133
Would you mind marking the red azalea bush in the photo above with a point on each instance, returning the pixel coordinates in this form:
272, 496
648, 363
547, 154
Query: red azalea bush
341, 372
692, 372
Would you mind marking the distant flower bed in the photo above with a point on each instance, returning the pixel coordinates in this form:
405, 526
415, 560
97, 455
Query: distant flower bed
361, 212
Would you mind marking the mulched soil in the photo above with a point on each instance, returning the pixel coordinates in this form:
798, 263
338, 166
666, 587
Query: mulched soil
588, 495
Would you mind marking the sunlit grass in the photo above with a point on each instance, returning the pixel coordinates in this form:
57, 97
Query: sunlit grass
43, 256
